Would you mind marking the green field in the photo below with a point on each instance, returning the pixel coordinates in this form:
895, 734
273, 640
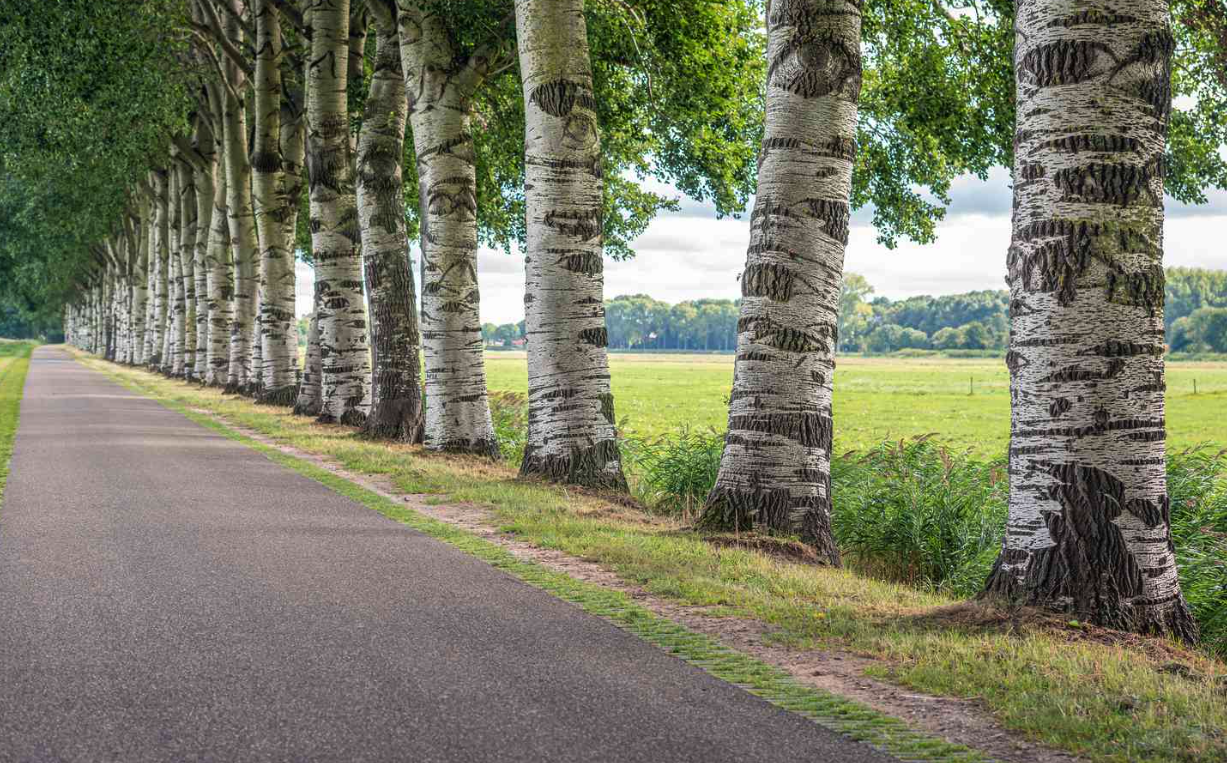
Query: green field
964, 402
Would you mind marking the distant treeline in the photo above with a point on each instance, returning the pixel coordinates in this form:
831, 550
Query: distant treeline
1195, 319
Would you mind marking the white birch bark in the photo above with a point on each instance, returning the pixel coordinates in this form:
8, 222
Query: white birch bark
335, 239
571, 435
1088, 529
140, 279
440, 93
775, 471
310, 397
243, 243
220, 274
396, 393
278, 375
160, 254
203, 180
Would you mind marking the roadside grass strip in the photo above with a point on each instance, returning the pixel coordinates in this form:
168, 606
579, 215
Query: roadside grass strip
772, 684
14, 363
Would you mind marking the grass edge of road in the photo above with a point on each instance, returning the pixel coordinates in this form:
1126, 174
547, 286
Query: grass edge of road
12, 386
1103, 695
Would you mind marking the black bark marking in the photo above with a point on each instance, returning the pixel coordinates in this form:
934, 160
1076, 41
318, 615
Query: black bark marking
774, 281
1104, 144
560, 97
1094, 17
1065, 62
1058, 407
607, 407
813, 62
597, 337
1076, 373
1120, 184
579, 261
585, 225
1114, 348
835, 216
813, 430
1141, 289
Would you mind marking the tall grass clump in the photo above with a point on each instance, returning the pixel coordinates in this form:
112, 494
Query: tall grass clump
509, 411
1198, 493
674, 473
916, 512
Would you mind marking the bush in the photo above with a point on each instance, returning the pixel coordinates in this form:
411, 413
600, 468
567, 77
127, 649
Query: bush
509, 410
674, 474
1198, 495
914, 511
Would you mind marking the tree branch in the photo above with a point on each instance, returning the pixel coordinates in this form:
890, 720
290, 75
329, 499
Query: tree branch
215, 28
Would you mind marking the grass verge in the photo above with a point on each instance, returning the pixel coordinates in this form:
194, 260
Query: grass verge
14, 363
1102, 695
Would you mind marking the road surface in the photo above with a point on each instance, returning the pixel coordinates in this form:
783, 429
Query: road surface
167, 594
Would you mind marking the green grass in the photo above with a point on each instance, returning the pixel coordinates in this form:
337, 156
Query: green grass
14, 362
1105, 696
965, 402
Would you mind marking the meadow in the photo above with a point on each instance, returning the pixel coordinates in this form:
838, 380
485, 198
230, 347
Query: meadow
964, 402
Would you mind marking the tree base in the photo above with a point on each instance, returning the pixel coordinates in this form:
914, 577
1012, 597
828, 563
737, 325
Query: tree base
484, 448
310, 408
1098, 606
772, 511
586, 467
232, 388
395, 421
282, 396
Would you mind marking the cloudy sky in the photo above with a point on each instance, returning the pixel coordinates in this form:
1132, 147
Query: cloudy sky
690, 254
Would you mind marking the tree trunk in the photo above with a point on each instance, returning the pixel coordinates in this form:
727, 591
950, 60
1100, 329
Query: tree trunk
159, 253
1088, 529
221, 279
440, 112
396, 392
140, 281
571, 434
178, 328
243, 244
186, 334
204, 180
775, 471
310, 397
335, 238
276, 323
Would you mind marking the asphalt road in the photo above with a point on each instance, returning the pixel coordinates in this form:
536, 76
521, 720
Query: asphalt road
167, 594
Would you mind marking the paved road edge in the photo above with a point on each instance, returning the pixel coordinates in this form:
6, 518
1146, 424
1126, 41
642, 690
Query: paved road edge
846, 716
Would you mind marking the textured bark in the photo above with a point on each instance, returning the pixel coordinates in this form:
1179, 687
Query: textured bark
178, 323
440, 85
775, 470
242, 221
571, 434
221, 279
310, 396
203, 180
140, 280
159, 255
335, 235
396, 393
278, 375
186, 353
1088, 529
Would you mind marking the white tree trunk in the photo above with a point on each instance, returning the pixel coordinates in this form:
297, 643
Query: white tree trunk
186, 332
335, 238
309, 393
221, 279
159, 253
571, 434
1088, 529
775, 470
203, 178
396, 393
140, 280
440, 112
243, 244
278, 375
